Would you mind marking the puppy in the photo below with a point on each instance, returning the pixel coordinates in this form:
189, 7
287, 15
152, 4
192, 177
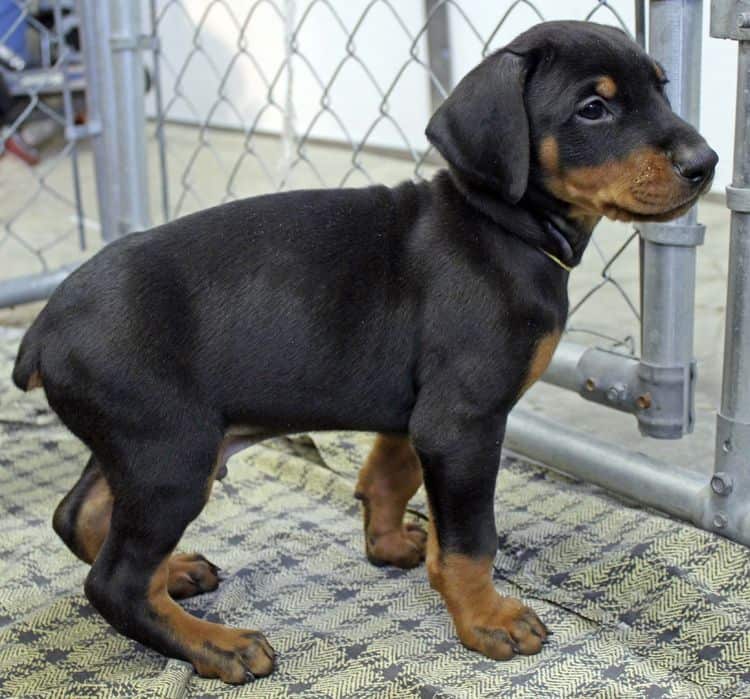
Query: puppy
421, 312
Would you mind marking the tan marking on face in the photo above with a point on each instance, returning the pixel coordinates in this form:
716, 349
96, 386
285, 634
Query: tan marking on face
606, 87
388, 480
35, 381
93, 519
543, 352
549, 155
642, 186
660, 74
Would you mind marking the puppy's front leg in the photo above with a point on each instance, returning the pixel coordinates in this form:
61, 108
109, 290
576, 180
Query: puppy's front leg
460, 463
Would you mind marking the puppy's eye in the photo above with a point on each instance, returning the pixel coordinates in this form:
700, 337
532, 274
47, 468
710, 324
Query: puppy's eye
593, 110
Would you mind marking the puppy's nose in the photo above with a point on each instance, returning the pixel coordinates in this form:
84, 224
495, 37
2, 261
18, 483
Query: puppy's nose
695, 163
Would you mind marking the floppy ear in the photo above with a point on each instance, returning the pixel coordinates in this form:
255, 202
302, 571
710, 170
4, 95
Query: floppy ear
482, 129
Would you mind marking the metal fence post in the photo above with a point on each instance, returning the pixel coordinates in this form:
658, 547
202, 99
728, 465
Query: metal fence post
438, 51
729, 510
116, 80
668, 260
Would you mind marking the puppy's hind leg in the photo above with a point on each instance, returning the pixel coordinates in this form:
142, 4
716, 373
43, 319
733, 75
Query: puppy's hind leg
82, 521
388, 480
162, 486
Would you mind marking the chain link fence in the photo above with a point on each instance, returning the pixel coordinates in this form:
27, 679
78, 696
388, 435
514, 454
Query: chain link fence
264, 95
42, 118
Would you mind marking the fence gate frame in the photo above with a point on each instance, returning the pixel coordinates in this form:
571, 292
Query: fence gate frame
718, 502
656, 388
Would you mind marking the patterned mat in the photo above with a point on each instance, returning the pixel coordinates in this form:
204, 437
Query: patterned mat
640, 605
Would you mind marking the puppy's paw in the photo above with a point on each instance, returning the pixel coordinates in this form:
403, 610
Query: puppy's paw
403, 548
236, 656
191, 574
509, 629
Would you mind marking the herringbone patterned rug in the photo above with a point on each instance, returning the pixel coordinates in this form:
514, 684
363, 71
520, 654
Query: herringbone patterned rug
641, 606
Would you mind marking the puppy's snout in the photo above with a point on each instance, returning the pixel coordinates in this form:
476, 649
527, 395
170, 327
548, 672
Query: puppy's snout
695, 163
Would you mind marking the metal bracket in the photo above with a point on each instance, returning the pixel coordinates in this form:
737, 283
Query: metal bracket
82, 131
660, 397
738, 199
680, 234
609, 378
669, 415
730, 19
728, 511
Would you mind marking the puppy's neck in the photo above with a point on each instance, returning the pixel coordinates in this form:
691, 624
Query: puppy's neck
538, 219
575, 229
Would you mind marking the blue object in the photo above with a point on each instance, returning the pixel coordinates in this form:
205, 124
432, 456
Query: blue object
13, 28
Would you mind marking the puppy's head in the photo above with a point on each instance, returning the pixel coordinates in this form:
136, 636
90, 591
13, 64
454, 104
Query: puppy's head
579, 110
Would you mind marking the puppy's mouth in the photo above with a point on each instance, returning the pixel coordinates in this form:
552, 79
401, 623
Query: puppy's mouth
617, 213
643, 187
670, 211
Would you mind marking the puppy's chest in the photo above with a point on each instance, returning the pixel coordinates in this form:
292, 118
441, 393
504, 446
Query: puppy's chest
541, 356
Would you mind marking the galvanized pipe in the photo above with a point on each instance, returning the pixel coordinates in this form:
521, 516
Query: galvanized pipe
438, 51
619, 381
112, 46
729, 510
94, 30
668, 259
564, 369
127, 93
161, 136
675, 490
34, 287
735, 397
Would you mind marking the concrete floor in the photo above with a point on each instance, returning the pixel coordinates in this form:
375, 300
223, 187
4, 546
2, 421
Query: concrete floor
199, 177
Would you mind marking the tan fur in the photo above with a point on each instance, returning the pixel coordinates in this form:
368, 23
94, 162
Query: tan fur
606, 87
549, 155
643, 185
35, 381
213, 649
189, 573
543, 352
92, 522
388, 480
485, 621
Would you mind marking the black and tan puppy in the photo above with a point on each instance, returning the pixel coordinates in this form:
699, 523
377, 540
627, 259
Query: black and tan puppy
421, 312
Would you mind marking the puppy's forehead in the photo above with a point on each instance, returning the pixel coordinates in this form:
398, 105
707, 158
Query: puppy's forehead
612, 73
586, 50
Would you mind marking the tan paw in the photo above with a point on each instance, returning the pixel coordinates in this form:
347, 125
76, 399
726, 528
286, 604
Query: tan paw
236, 656
191, 574
509, 629
403, 548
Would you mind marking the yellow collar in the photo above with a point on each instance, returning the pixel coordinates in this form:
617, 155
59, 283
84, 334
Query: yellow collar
556, 260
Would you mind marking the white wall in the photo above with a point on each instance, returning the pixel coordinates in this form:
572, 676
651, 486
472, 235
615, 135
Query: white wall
255, 80
718, 100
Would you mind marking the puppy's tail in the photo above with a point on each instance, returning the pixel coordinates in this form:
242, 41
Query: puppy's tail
26, 372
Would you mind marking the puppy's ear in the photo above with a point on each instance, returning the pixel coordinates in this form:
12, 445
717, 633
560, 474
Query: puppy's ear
482, 129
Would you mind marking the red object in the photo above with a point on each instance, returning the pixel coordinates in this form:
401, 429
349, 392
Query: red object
16, 145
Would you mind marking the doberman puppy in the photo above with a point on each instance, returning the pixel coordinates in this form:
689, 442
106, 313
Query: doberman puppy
421, 312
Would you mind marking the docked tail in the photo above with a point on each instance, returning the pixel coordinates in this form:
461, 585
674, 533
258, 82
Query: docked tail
26, 372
